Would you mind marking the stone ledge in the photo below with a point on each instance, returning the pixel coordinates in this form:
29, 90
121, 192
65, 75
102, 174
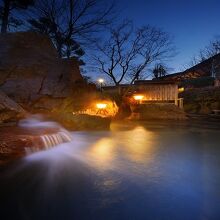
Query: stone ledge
157, 111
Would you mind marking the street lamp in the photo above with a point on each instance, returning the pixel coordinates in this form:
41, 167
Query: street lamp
101, 81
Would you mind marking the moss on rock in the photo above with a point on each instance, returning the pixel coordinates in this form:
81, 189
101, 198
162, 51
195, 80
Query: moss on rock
82, 121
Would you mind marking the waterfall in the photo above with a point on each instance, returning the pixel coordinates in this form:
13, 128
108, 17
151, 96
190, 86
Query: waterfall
53, 133
50, 140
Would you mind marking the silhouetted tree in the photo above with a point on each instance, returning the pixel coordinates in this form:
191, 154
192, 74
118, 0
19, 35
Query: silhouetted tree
70, 23
209, 51
7, 7
159, 71
128, 51
212, 49
87, 79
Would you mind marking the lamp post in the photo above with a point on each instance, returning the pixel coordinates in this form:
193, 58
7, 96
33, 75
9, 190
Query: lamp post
101, 83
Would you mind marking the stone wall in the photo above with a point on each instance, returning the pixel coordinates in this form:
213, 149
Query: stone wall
157, 112
201, 101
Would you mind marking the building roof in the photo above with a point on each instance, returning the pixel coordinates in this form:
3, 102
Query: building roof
202, 69
158, 81
204, 63
142, 82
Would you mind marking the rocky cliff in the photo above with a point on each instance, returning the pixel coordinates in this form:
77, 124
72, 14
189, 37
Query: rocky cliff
9, 110
34, 79
31, 70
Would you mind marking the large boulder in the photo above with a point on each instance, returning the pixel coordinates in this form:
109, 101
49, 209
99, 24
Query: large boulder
30, 69
32, 74
83, 121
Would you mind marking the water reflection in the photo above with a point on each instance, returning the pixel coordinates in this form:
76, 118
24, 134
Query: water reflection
102, 152
131, 172
135, 145
138, 144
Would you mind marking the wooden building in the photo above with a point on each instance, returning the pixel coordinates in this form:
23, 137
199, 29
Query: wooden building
157, 90
152, 91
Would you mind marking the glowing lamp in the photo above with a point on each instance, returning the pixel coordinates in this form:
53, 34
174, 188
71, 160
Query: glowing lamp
138, 97
100, 80
181, 89
101, 105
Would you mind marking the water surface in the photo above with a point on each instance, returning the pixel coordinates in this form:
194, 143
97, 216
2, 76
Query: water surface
135, 171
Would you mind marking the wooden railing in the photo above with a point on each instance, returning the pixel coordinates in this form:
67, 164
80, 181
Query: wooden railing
179, 102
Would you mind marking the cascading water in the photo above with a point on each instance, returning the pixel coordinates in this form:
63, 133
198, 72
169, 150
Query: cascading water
51, 140
46, 134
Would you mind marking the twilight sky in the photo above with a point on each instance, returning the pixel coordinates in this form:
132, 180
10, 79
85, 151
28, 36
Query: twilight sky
193, 23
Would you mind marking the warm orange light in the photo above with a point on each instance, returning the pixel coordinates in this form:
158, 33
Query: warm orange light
138, 97
101, 105
181, 89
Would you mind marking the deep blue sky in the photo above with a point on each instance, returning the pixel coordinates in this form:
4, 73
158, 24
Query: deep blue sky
193, 23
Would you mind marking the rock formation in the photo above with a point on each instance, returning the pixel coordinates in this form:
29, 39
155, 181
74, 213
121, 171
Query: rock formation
37, 80
30, 69
9, 110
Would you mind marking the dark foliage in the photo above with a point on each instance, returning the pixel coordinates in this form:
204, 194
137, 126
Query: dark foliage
6, 9
198, 82
70, 23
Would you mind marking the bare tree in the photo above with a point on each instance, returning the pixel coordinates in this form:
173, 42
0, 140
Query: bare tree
159, 70
212, 49
128, 51
70, 23
208, 52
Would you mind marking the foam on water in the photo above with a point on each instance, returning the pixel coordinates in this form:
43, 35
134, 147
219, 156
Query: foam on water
37, 121
48, 140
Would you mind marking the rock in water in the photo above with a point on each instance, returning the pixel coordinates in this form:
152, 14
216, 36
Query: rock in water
83, 122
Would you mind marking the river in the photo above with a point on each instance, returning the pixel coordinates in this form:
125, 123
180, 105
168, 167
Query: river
134, 171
